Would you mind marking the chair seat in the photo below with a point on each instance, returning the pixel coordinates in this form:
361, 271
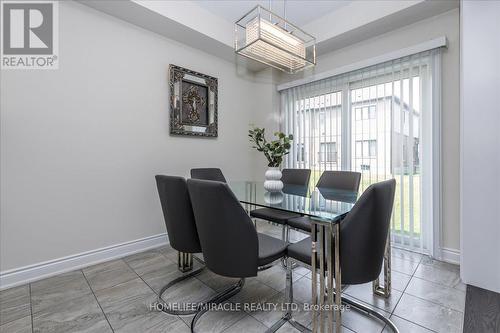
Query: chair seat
270, 249
302, 250
273, 215
301, 223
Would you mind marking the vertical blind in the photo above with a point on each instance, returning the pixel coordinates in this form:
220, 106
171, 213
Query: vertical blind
379, 121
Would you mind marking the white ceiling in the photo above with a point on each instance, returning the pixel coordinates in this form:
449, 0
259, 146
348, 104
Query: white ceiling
298, 12
208, 24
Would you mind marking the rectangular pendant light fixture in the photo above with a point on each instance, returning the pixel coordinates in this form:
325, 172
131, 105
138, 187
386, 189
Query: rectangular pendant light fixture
268, 38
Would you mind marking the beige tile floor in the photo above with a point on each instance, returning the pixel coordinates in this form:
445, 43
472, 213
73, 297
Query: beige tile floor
115, 296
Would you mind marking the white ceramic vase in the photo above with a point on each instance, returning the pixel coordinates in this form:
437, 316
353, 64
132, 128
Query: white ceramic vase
273, 198
273, 181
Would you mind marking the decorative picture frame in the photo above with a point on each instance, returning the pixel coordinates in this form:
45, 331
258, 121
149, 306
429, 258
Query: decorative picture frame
193, 103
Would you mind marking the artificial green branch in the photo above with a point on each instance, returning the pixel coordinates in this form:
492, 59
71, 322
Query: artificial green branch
274, 150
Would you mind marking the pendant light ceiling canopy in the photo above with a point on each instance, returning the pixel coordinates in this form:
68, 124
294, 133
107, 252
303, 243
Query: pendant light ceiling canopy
270, 39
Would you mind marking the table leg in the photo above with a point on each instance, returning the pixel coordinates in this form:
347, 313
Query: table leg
326, 243
184, 261
314, 245
385, 290
322, 274
330, 284
338, 281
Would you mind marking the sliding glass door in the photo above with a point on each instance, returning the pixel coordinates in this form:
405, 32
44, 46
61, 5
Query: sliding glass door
385, 134
371, 121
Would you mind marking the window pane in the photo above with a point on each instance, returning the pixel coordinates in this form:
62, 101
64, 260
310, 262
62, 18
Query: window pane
372, 112
373, 148
318, 133
358, 113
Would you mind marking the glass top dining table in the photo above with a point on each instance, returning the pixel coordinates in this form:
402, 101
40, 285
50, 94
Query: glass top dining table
326, 205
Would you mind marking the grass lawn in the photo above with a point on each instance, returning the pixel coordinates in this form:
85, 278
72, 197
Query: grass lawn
401, 210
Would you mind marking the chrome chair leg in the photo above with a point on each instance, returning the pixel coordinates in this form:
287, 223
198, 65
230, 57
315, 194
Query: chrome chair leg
183, 263
366, 310
161, 304
286, 238
385, 289
288, 317
284, 233
217, 299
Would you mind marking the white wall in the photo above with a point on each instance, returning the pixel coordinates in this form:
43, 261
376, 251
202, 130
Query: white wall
80, 145
480, 146
446, 24
265, 114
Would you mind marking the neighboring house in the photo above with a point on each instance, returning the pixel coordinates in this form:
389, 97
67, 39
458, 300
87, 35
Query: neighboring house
378, 147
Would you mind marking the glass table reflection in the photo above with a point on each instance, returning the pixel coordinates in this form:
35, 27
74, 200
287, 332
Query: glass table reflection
319, 203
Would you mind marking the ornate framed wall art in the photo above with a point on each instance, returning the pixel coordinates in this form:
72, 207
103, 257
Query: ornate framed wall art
193, 103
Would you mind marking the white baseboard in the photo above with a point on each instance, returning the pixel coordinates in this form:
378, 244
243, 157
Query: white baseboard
451, 256
26, 274
445, 254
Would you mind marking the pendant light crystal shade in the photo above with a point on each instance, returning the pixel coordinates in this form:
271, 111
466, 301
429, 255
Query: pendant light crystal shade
266, 37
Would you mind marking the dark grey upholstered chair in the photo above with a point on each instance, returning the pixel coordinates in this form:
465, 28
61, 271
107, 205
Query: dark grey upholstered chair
337, 180
289, 177
363, 234
181, 231
296, 176
231, 245
340, 180
178, 214
208, 174
181, 227
363, 237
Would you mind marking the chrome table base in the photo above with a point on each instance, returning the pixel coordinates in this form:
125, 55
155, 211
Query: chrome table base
328, 254
288, 316
323, 234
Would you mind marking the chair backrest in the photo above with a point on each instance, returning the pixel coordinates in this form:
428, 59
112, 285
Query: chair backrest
178, 214
340, 180
296, 176
208, 174
227, 235
363, 233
